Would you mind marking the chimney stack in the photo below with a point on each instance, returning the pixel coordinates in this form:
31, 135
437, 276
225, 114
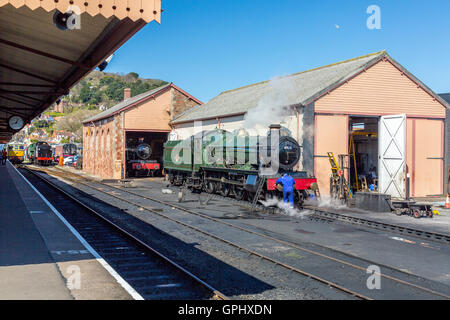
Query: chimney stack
275, 127
126, 93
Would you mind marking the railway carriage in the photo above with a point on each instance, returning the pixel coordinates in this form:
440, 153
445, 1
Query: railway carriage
237, 164
16, 152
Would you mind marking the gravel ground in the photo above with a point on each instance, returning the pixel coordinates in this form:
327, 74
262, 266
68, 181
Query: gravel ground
229, 270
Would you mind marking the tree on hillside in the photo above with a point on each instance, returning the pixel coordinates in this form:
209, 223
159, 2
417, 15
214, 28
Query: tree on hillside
106, 80
139, 87
114, 90
134, 75
73, 122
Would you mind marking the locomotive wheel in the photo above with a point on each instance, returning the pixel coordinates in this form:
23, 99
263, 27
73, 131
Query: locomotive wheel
239, 193
224, 189
416, 214
251, 196
210, 187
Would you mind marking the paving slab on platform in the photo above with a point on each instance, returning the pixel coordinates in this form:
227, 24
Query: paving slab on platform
38, 252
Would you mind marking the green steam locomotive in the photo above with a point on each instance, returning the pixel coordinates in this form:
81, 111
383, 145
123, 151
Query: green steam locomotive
237, 164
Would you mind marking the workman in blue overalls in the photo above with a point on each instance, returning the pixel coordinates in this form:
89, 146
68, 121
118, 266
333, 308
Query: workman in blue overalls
288, 189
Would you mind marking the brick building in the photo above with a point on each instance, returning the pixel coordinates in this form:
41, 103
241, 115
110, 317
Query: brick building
446, 97
327, 108
144, 117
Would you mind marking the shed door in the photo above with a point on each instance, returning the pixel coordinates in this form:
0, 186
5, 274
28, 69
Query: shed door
392, 155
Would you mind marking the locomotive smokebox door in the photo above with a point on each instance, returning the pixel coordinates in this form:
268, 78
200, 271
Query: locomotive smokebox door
144, 153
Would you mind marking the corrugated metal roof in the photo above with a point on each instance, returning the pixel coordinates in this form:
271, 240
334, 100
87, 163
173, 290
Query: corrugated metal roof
118, 107
304, 87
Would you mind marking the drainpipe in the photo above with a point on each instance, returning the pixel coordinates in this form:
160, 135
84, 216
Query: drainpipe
218, 123
92, 122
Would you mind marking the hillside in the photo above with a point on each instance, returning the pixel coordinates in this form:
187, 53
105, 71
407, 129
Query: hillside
96, 92
99, 88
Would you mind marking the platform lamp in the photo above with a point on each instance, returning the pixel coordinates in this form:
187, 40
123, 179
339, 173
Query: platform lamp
102, 66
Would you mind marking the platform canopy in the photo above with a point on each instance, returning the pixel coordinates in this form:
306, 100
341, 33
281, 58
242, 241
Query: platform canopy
40, 62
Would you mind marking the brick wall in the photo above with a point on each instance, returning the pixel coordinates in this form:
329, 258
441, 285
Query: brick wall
99, 147
119, 141
180, 103
104, 142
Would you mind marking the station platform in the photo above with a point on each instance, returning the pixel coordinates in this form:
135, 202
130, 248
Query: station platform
41, 258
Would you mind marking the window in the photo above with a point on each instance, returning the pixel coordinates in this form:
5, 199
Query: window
358, 126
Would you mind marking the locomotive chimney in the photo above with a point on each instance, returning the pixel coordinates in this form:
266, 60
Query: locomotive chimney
126, 93
275, 127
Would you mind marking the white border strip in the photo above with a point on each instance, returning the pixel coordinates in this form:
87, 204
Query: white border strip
112, 272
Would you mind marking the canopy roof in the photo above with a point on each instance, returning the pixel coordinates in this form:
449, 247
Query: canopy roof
39, 63
146, 10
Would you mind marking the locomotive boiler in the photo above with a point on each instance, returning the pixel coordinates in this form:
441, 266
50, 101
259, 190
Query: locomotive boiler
238, 164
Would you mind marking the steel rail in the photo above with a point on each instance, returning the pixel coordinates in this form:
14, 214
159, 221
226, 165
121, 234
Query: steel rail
239, 247
216, 293
293, 245
422, 234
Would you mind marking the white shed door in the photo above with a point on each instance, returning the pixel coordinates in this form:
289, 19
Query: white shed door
392, 155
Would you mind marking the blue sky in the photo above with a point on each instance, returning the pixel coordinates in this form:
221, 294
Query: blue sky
209, 46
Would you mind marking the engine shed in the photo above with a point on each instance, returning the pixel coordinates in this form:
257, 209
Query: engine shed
129, 137
446, 97
383, 120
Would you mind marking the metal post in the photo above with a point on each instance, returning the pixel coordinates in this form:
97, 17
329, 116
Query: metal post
408, 184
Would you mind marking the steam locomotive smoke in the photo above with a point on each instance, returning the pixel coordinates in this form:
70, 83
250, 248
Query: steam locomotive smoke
272, 107
293, 212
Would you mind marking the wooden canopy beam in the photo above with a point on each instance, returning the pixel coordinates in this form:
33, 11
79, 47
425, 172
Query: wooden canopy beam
16, 84
12, 112
16, 108
53, 93
42, 53
27, 97
28, 73
17, 101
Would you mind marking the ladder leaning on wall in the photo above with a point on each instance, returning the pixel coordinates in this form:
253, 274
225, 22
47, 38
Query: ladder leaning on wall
339, 188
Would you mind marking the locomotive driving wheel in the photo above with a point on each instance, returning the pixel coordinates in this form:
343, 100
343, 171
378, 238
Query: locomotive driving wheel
224, 189
210, 187
239, 193
251, 196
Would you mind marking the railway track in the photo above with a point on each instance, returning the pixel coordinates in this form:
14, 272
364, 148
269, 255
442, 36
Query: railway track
421, 234
151, 274
326, 216
410, 283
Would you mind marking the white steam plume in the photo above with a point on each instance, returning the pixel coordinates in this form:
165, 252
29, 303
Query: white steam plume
272, 107
293, 212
